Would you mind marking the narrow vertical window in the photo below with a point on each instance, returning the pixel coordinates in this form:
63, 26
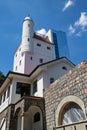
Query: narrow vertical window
51, 80
16, 68
74, 127
35, 87
31, 57
16, 55
41, 60
28, 25
86, 127
19, 49
4, 96
28, 39
20, 62
8, 92
0, 99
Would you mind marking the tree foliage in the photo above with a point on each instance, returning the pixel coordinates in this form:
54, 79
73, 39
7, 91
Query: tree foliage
2, 78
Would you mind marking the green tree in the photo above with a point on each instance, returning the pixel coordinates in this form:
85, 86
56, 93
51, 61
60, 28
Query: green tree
2, 78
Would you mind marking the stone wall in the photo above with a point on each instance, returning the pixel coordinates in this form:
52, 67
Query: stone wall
8, 114
73, 83
11, 113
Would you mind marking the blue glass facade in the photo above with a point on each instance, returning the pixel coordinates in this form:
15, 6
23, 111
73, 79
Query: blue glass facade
61, 47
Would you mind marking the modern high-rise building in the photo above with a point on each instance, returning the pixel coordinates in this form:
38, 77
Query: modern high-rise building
60, 41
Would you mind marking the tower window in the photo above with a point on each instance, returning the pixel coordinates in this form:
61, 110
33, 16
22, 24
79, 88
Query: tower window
16, 55
31, 57
37, 117
28, 25
41, 60
20, 62
28, 39
64, 68
51, 80
19, 49
16, 68
38, 44
48, 48
22, 54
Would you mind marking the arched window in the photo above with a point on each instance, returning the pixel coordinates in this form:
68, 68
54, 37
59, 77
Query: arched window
37, 117
72, 113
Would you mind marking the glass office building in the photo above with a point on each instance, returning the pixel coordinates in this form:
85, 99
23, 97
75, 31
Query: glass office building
61, 47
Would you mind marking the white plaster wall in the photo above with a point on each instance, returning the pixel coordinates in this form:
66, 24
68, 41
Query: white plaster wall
39, 86
7, 100
4, 104
39, 52
19, 56
43, 52
27, 65
55, 71
14, 97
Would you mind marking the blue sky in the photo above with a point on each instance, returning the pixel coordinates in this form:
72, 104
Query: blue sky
66, 15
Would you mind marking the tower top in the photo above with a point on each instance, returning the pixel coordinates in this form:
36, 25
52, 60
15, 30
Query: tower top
28, 18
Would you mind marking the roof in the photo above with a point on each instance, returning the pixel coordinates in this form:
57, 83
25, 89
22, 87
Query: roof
46, 63
42, 38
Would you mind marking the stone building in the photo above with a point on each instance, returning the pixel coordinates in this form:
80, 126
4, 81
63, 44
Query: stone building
45, 90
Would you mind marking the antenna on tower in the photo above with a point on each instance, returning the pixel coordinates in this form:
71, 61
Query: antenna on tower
28, 15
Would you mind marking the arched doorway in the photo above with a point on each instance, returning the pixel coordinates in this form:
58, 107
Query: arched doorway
34, 119
18, 119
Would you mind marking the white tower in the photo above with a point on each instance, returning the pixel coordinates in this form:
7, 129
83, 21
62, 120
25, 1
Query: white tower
25, 49
33, 50
27, 34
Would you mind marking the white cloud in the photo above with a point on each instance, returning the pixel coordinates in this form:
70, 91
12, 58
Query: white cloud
79, 34
41, 31
71, 29
68, 4
82, 20
80, 25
